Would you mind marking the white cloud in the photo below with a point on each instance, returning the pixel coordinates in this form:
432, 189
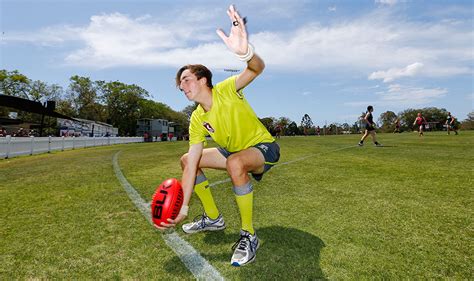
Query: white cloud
378, 40
398, 95
116, 39
49, 36
387, 2
395, 73
332, 8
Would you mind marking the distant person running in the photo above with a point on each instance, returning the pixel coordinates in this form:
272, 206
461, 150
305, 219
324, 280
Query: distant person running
369, 127
318, 131
278, 131
451, 124
420, 121
397, 126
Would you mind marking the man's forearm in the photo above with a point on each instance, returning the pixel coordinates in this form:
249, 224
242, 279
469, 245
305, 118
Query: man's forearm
256, 64
187, 181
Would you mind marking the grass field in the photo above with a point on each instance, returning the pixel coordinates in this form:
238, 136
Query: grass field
334, 211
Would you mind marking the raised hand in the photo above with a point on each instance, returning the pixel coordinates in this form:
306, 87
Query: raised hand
237, 40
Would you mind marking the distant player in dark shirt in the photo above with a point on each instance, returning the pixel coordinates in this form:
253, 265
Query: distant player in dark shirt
369, 127
451, 124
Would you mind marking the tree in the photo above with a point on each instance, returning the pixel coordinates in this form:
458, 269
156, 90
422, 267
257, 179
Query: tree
154, 110
431, 114
65, 106
269, 123
14, 84
387, 119
306, 124
346, 127
333, 129
85, 98
468, 124
188, 110
122, 103
283, 122
292, 129
355, 129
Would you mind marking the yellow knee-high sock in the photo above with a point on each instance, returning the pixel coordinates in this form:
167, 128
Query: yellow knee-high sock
203, 191
244, 198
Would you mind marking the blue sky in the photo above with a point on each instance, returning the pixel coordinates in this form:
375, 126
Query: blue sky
329, 59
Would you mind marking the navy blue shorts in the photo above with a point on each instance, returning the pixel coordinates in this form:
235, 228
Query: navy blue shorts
369, 127
270, 151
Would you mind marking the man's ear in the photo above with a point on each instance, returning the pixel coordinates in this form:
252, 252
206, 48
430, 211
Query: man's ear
203, 81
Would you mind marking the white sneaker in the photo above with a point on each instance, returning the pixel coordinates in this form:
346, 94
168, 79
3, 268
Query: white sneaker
204, 223
245, 249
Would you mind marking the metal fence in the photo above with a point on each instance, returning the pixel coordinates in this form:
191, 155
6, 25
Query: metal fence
16, 146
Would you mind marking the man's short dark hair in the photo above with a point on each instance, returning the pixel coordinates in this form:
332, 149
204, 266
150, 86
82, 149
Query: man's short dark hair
369, 108
197, 69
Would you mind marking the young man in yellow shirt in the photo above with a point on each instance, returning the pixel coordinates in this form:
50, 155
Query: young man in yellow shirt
245, 145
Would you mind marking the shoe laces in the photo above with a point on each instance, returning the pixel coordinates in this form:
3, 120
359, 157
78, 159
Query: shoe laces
201, 220
244, 242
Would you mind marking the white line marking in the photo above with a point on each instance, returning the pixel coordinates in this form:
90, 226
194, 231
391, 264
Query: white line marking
314, 154
288, 162
219, 182
199, 267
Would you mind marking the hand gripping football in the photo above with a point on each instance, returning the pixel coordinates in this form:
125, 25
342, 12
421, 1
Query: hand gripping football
167, 201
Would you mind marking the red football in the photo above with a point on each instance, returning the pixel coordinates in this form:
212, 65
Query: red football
167, 201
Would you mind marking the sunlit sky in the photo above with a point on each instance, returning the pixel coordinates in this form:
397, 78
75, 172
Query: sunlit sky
329, 59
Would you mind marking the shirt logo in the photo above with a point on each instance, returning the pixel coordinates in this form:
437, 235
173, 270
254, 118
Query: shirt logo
208, 127
263, 147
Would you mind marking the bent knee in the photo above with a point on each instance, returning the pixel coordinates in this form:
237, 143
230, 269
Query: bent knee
184, 160
234, 166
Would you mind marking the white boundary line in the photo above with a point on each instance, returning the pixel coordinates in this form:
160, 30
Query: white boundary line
314, 154
199, 267
290, 162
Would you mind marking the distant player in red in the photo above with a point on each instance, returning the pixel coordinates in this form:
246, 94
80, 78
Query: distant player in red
278, 131
420, 121
369, 127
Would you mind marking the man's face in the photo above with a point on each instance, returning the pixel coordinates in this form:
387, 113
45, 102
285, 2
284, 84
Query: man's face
189, 84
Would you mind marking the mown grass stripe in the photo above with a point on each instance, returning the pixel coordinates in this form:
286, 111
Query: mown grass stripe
197, 265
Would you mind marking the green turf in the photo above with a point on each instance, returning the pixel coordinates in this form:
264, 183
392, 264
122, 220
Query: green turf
403, 211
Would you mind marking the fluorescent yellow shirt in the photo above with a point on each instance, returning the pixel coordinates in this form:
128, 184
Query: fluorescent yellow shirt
231, 122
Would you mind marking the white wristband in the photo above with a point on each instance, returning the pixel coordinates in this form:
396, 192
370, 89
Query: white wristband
184, 210
249, 55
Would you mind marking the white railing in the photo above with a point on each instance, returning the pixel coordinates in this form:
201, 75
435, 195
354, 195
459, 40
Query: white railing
16, 146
